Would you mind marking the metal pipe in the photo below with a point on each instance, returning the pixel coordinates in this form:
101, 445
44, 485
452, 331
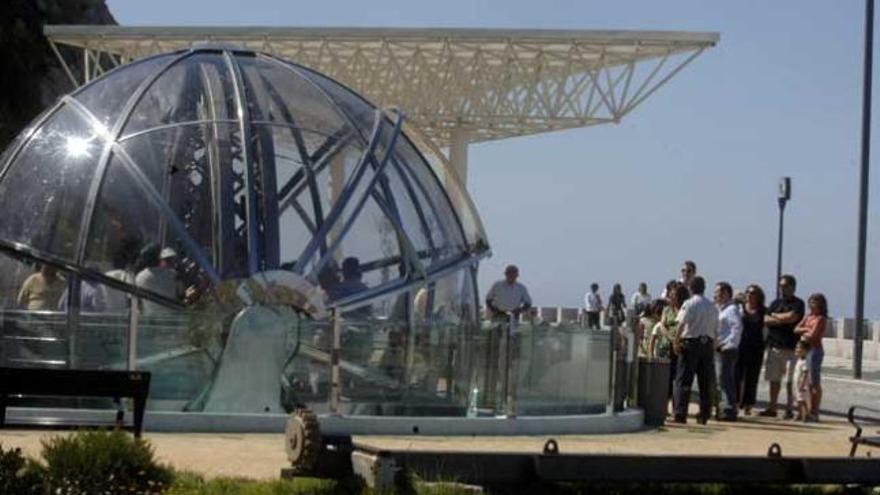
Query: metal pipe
863, 191
335, 383
508, 406
134, 317
779, 246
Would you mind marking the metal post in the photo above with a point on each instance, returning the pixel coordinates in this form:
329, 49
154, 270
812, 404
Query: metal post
506, 383
784, 194
74, 299
133, 333
335, 384
863, 190
612, 371
779, 246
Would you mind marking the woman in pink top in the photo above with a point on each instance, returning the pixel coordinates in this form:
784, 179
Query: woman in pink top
812, 329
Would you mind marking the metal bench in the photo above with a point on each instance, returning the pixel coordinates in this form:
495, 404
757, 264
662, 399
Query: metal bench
78, 383
859, 424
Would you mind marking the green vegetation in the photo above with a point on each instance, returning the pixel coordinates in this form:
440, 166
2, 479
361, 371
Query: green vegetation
102, 462
18, 474
193, 484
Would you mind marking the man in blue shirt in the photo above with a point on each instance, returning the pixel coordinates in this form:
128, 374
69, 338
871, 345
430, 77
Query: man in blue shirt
727, 348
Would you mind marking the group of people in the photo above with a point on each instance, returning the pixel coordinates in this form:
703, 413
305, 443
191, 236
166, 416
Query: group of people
154, 269
725, 342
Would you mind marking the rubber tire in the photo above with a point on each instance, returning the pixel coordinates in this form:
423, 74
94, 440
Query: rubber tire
302, 440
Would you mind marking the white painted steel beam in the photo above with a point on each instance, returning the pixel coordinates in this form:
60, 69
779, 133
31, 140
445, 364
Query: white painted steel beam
496, 83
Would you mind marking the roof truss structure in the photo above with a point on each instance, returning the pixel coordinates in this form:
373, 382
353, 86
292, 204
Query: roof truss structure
491, 84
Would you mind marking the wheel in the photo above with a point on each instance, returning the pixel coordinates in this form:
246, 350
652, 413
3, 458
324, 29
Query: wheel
302, 440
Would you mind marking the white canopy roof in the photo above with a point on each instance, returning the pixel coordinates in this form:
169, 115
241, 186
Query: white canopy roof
484, 84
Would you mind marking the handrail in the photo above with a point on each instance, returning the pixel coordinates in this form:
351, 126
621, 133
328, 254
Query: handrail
858, 439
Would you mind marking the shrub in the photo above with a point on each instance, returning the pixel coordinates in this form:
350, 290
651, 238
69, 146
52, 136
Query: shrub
18, 474
102, 462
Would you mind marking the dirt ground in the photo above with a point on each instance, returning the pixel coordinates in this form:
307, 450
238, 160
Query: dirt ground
262, 455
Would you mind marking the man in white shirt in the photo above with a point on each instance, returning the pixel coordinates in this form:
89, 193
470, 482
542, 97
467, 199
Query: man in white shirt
730, 330
158, 277
695, 346
640, 299
508, 296
593, 306
505, 300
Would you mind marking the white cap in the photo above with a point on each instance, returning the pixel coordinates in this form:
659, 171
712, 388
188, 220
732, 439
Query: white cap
167, 253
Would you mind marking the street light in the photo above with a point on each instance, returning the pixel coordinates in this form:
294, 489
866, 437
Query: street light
863, 190
783, 195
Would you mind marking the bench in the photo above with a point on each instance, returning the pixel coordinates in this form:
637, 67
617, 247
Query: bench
78, 383
859, 424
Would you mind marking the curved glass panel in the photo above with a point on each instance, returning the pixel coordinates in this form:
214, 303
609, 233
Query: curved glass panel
198, 87
46, 187
106, 97
281, 96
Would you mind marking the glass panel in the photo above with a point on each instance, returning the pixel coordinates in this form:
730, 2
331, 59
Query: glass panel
356, 108
125, 221
131, 241
198, 87
258, 360
306, 376
560, 369
368, 257
181, 350
447, 231
47, 184
458, 195
100, 340
34, 330
106, 96
34, 321
391, 366
294, 197
278, 94
198, 168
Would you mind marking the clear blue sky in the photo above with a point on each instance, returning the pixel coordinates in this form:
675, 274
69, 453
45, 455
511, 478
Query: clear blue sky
689, 174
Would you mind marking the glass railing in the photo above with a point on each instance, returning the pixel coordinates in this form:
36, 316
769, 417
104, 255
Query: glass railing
268, 360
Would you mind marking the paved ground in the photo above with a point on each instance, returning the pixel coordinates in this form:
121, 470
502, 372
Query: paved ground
262, 455
840, 390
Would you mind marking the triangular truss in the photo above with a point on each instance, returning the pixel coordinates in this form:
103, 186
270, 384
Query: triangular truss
493, 83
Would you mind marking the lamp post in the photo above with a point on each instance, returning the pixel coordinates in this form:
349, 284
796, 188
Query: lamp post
783, 195
863, 191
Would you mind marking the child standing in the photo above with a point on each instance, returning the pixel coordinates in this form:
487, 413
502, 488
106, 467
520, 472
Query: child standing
649, 318
802, 380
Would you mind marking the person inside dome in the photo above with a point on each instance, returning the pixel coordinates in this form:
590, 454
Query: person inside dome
350, 285
158, 276
42, 290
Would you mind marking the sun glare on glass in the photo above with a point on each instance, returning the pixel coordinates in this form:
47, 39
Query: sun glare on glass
77, 147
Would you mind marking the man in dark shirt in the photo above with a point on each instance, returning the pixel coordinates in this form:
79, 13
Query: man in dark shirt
782, 317
350, 285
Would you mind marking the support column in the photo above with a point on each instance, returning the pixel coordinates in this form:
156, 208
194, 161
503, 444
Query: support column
458, 154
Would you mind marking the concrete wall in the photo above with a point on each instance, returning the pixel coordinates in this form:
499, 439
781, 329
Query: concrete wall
838, 340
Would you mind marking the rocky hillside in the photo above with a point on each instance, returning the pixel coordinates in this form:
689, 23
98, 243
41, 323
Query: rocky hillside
30, 76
